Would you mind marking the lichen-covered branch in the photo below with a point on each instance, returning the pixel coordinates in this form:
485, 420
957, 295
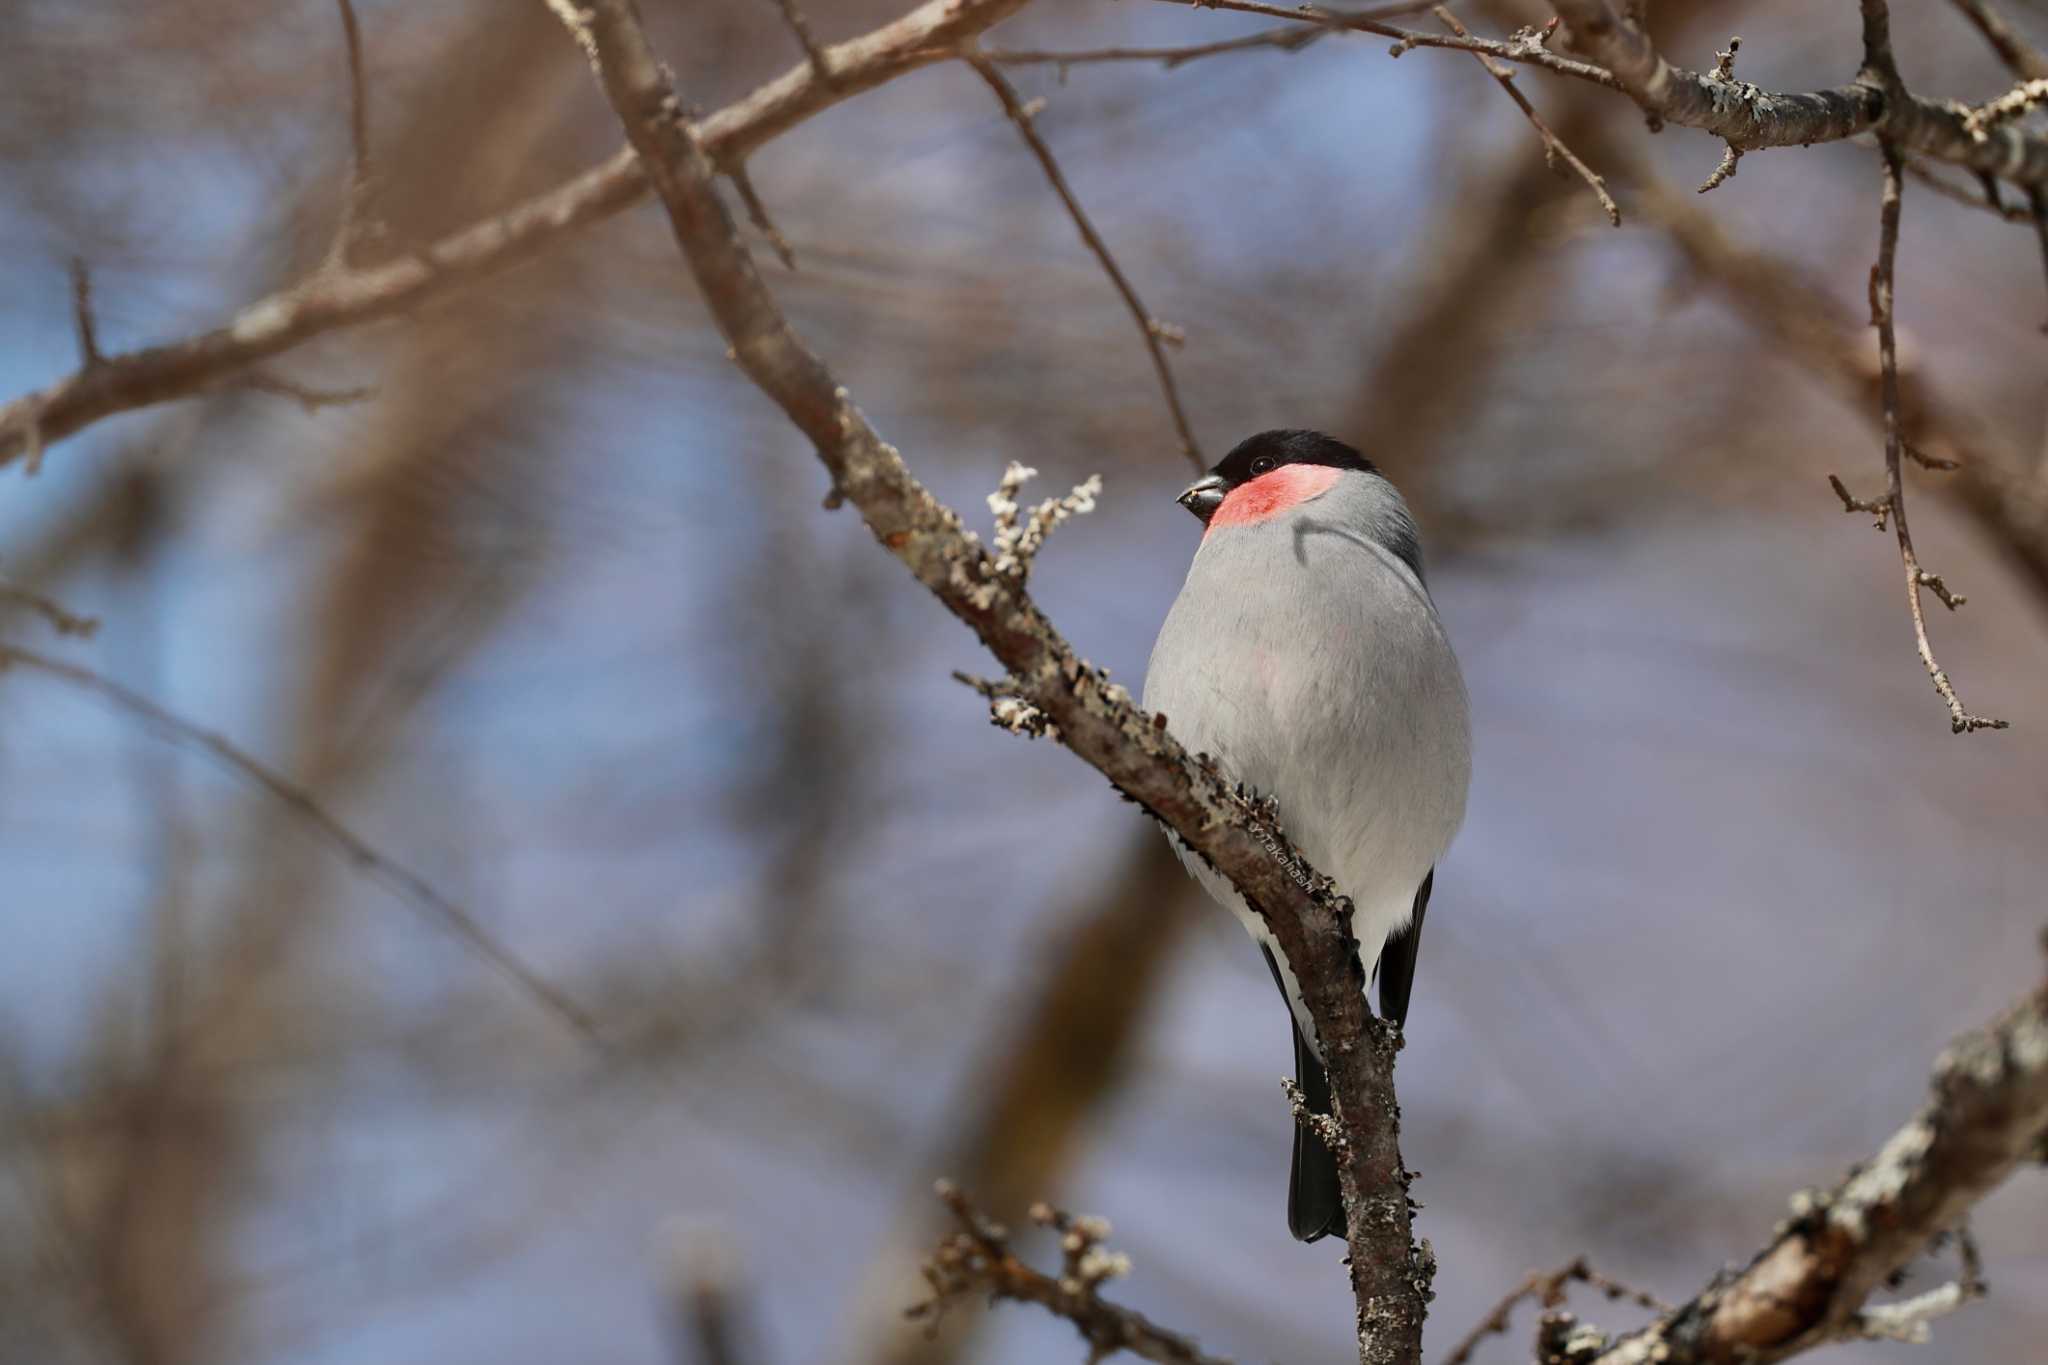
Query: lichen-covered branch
1096, 719
1987, 1113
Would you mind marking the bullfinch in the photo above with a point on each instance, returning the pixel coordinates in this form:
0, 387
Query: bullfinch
1304, 654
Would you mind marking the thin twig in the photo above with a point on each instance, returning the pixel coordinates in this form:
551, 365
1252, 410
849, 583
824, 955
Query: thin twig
1882, 279
310, 399
757, 212
1527, 47
977, 1260
1292, 38
1548, 1289
1988, 200
410, 886
1909, 1320
1731, 155
352, 230
2019, 56
1554, 149
89, 356
62, 620
1151, 329
793, 16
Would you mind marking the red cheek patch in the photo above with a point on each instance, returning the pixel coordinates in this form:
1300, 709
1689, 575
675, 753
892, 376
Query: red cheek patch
1269, 495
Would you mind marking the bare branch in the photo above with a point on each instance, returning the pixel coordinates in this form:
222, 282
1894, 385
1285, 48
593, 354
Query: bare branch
1290, 39
1554, 149
793, 16
1390, 1275
61, 620
353, 229
1149, 327
1987, 1113
313, 401
331, 300
1995, 483
977, 1260
1988, 199
81, 315
1548, 1289
1527, 47
2019, 56
410, 887
1961, 721
757, 212
1723, 173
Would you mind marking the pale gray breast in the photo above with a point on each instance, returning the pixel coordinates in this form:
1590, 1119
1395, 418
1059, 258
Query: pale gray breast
1310, 661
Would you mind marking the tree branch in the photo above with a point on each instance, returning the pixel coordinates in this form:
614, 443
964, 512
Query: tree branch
410, 887
331, 300
1988, 1113
1154, 332
1290, 38
1554, 148
60, 618
1995, 482
1547, 1288
1882, 276
1096, 719
353, 227
1748, 118
2020, 57
977, 1260
1526, 47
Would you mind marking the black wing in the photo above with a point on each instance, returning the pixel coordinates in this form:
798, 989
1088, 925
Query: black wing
1397, 959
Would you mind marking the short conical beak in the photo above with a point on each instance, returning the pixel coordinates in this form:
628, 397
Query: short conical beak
1204, 496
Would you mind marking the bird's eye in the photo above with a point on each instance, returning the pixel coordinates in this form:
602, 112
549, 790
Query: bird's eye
1263, 464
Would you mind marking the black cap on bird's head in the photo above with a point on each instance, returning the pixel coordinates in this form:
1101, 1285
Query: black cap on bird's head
1262, 454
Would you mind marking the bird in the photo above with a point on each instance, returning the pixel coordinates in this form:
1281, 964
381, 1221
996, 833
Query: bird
1304, 654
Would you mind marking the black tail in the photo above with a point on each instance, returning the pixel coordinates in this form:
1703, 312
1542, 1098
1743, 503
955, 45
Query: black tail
1315, 1204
